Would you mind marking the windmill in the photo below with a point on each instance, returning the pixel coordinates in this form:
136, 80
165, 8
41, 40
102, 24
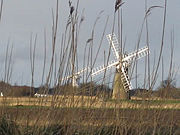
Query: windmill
122, 83
75, 77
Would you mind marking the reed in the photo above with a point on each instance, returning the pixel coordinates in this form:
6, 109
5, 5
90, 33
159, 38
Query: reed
88, 109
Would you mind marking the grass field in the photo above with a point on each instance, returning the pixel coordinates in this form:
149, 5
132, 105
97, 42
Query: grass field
123, 117
92, 102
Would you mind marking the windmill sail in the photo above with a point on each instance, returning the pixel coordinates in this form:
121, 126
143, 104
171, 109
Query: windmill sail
125, 79
136, 55
113, 41
101, 69
75, 77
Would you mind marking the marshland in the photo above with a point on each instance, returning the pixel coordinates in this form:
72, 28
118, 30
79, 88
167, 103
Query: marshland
89, 67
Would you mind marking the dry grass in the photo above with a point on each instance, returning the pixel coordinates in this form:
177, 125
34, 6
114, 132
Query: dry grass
93, 120
89, 102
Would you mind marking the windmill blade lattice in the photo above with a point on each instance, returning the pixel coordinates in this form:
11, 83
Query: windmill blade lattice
113, 41
125, 79
101, 69
136, 55
76, 74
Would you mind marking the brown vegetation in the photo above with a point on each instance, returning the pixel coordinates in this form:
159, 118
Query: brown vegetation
88, 109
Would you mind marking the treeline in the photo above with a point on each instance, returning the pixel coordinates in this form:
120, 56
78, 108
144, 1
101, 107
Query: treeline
165, 90
16, 91
87, 89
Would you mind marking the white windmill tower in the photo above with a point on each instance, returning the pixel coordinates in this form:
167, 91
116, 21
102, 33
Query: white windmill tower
122, 83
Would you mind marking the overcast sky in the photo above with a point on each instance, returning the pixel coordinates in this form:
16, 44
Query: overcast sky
21, 18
